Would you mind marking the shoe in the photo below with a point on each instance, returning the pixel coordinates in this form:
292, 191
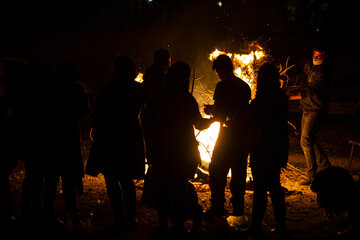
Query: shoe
306, 182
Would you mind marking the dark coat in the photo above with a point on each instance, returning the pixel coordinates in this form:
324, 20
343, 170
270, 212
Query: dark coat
170, 120
154, 80
65, 105
231, 107
8, 147
118, 147
269, 131
315, 88
232, 98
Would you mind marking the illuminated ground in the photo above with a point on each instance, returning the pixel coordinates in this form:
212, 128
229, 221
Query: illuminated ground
305, 220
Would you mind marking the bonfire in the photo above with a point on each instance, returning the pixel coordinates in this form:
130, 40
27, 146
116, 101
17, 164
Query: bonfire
246, 66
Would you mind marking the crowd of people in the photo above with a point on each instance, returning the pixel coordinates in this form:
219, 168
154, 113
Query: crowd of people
152, 122
40, 112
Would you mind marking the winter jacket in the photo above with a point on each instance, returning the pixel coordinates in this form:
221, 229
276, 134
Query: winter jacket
315, 88
118, 147
170, 120
269, 131
65, 105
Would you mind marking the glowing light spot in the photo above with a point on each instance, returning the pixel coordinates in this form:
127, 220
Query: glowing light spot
139, 78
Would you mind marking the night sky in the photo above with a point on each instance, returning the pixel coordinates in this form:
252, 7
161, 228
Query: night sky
90, 33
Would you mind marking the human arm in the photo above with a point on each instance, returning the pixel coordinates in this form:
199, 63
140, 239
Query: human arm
201, 123
295, 96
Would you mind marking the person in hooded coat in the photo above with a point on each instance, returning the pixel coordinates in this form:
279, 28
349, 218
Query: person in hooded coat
118, 148
171, 117
269, 146
66, 103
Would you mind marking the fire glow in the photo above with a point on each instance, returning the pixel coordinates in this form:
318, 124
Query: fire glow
244, 64
244, 68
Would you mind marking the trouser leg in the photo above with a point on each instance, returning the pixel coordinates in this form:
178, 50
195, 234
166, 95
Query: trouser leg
322, 160
217, 182
277, 198
32, 188
162, 202
309, 127
69, 193
5, 194
238, 183
259, 201
37, 193
26, 188
50, 189
115, 197
129, 195
26, 196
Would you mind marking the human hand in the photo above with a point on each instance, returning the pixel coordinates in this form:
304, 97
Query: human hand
208, 109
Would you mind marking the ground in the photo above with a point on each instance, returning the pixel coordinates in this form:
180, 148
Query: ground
304, 218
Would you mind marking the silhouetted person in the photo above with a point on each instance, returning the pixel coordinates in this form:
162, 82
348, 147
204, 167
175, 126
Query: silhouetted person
10, 119
171, 117
66, 103
8, 158
154, 83
154, 76
269, 146
119, 145
31, 113
231, 106
337, 192
314, 101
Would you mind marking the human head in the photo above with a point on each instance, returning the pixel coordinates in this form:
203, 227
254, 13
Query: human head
162, 59
320, 54
124, 68
178, 76
223, 66
334, 187
268, 78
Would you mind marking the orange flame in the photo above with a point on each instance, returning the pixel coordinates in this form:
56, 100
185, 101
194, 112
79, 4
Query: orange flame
244, 64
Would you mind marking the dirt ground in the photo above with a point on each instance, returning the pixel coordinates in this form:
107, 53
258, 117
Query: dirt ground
305, 219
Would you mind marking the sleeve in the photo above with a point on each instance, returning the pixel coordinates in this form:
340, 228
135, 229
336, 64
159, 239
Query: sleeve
99, 111
219, 104
285, 133
318, 82
83, 106
200, 123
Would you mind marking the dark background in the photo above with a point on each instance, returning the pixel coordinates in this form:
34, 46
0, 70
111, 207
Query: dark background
90, 33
